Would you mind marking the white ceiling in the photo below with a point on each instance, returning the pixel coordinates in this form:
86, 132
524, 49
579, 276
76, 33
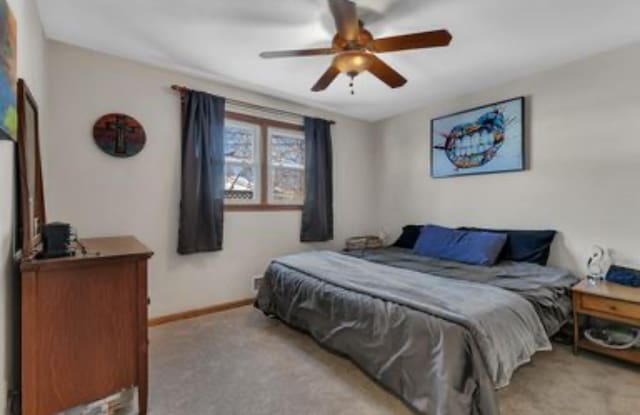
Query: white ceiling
494, 41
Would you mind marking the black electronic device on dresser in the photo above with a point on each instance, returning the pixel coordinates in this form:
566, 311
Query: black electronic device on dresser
56, 240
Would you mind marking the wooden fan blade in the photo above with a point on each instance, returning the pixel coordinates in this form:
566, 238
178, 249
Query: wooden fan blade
386, 73
432, 39
296, 53
344, 13
326, 79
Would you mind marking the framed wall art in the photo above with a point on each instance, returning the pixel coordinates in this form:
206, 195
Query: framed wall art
32, 207
482, 140
8, 47
119, 135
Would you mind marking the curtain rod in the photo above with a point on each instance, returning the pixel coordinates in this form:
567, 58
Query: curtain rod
248, 105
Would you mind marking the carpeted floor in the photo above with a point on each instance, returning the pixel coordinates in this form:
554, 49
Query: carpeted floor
240, 363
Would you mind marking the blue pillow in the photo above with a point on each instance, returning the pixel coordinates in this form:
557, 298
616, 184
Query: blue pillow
524, 245
477, 248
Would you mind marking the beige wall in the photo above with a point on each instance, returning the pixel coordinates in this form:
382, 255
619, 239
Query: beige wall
584, 154
583, 159
102, 195
31, 66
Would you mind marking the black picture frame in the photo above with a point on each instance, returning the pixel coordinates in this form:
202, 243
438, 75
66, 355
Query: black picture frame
522, 130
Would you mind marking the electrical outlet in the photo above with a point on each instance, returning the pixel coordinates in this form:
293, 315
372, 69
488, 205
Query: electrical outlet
257, 282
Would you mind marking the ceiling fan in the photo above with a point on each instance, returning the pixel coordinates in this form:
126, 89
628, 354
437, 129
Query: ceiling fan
355, 48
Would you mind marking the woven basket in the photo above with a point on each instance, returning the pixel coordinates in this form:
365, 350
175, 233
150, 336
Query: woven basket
359, 243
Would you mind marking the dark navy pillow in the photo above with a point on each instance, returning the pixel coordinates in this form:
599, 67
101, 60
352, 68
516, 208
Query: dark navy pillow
523, 245
471, 247
408, 237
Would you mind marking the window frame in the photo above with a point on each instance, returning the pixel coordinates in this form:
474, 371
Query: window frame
263, 147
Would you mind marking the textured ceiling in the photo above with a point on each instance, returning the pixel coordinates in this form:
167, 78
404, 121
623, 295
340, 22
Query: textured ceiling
494, 41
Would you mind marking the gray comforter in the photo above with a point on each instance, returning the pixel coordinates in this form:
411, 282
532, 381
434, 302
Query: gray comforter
546, 288
438, 334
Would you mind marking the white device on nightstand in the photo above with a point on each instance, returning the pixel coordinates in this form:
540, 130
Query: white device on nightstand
598, 263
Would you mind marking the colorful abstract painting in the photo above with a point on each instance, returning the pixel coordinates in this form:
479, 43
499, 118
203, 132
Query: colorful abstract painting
8, 86
487, 139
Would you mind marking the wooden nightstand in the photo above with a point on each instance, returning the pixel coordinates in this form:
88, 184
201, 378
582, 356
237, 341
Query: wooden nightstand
610, 302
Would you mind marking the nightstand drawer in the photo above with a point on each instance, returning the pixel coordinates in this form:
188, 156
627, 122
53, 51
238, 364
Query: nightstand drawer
610, 306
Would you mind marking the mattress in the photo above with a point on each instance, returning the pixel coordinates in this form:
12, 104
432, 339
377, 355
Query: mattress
440, 335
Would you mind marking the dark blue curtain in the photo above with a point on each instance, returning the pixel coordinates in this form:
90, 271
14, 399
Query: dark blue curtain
202, 192
317, 212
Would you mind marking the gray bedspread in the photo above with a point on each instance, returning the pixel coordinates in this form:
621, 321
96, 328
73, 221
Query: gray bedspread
546, 288
438, 334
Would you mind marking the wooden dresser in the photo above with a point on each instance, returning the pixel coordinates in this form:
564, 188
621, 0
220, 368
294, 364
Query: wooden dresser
84, 326
607, 301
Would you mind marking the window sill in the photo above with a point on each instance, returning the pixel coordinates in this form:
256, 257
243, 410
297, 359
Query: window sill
261, 208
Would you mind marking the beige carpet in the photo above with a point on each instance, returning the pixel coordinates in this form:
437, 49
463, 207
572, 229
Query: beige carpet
241, 363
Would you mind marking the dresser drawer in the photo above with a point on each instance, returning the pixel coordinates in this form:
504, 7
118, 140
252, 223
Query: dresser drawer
610, 306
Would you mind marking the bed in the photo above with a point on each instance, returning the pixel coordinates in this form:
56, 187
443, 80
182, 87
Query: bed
440, 335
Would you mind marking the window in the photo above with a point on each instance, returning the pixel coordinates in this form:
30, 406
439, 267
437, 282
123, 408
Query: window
241, 162
264, 164
286, 167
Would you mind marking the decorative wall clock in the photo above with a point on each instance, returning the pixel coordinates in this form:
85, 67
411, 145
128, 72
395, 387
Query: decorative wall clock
119, 135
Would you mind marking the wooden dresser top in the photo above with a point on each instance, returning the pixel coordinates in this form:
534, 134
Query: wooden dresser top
112, 247
609, 290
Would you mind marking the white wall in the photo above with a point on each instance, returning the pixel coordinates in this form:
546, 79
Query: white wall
8, 286
584, 154
31, 66
102, 195
583, 164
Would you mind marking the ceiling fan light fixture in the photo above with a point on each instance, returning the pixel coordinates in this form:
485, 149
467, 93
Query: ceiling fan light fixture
353, 62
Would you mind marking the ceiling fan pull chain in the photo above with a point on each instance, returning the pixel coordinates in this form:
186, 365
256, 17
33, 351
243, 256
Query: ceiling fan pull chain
351, 85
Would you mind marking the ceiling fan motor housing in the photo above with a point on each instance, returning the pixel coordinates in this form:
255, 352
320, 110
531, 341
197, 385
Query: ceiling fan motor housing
363, 41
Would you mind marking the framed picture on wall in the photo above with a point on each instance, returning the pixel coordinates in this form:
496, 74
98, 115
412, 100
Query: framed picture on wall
482, 140
8, 75
32, 207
